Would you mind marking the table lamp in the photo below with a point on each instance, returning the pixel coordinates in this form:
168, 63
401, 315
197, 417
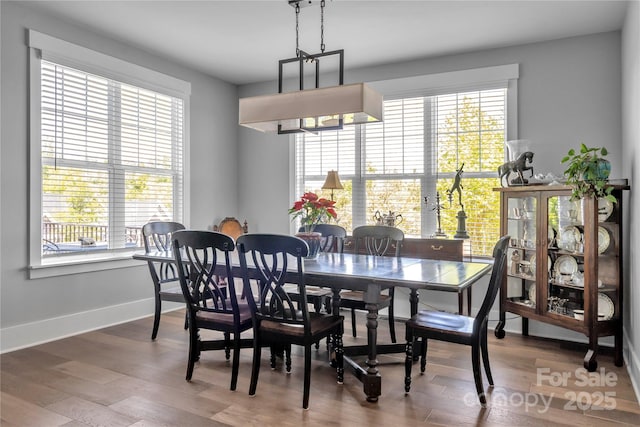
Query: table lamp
332, 182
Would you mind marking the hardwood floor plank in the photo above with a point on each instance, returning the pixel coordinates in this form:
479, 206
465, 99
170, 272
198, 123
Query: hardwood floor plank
90, 413
143, 408
37, 393
118, 376
88, 372
15, 411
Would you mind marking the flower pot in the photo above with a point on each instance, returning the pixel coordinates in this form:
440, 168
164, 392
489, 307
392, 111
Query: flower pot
314, 240
604, 169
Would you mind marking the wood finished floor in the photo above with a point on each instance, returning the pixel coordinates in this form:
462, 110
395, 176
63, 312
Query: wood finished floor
118, 377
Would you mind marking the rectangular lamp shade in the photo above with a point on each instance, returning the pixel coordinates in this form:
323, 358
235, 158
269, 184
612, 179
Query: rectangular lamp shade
312, 109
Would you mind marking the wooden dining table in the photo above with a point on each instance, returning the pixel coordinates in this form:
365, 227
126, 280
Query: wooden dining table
372, 274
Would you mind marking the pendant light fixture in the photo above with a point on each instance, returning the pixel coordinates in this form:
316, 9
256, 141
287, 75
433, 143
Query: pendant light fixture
313, 109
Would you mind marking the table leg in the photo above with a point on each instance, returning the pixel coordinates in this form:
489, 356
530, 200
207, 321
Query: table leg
372, 382
413, 301
414, 298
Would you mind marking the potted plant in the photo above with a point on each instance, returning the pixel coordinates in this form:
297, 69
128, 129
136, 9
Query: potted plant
312, 210
588, 173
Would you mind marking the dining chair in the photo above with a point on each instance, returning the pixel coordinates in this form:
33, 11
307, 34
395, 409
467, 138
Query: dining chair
456, 328
198, 256
278, 318
232, 228
378, 240
332, 241
156, 236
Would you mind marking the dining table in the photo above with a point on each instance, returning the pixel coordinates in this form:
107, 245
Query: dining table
372, 274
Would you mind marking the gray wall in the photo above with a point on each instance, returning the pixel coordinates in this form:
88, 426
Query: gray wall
66, 301
631, 160
569, 92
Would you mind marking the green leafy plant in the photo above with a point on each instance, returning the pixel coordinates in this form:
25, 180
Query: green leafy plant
586, 174
312, 210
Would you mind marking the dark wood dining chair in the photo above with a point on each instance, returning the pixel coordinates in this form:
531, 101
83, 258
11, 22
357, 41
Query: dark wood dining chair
456, 328
156, 236
198, 256
378, 240
280, 320
332, 241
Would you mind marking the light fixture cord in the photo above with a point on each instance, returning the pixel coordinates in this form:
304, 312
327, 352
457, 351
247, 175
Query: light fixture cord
297, 30
322, 26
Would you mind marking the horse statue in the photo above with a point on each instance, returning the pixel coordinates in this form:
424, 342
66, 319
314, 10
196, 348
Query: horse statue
517, 166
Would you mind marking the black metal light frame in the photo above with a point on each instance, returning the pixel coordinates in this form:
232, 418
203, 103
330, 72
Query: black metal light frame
301, 59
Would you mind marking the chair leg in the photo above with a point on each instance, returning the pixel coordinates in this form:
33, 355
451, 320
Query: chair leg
423, 355
255, 368
353, 323
485, 356
186, 321
477, 374
273, 358
287, 358
339, 350
156, 317
392, 320
194, 351
236, 361
307, 376
408, 361
227, 345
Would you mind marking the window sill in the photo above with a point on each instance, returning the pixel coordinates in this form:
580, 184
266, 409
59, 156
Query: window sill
85, 263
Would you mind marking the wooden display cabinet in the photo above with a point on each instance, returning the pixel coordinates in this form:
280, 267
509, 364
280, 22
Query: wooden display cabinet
564, 263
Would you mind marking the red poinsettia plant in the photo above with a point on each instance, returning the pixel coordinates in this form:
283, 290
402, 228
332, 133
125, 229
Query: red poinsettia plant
312, 210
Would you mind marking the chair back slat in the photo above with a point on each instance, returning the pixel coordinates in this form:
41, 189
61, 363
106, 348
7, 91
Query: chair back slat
197, 255
270, 256
332, 237
378, 239
156, 236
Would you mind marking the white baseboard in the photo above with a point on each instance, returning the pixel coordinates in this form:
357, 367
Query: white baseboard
29, 334
632, 360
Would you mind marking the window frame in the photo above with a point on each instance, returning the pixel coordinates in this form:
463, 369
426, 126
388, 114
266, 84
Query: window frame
478, 79
45, 47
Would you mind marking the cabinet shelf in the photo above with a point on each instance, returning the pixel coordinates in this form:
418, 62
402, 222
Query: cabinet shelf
603, 288
530, 288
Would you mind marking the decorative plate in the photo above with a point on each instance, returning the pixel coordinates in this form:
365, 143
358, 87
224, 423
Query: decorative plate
566, 265
606, 309
603, 239
532, 294
532, 260
569, 238
605, 208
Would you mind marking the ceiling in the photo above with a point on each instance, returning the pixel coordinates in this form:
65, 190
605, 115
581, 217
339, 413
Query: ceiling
241, 41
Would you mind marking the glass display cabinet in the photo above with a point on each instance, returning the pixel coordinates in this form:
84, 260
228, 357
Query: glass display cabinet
564, 263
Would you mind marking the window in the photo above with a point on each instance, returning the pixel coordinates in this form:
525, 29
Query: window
415, 153
109, 159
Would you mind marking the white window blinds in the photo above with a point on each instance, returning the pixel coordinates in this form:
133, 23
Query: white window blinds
415, 152
111, 160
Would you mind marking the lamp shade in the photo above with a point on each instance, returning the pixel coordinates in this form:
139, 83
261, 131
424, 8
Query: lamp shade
332, 182
312, 109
